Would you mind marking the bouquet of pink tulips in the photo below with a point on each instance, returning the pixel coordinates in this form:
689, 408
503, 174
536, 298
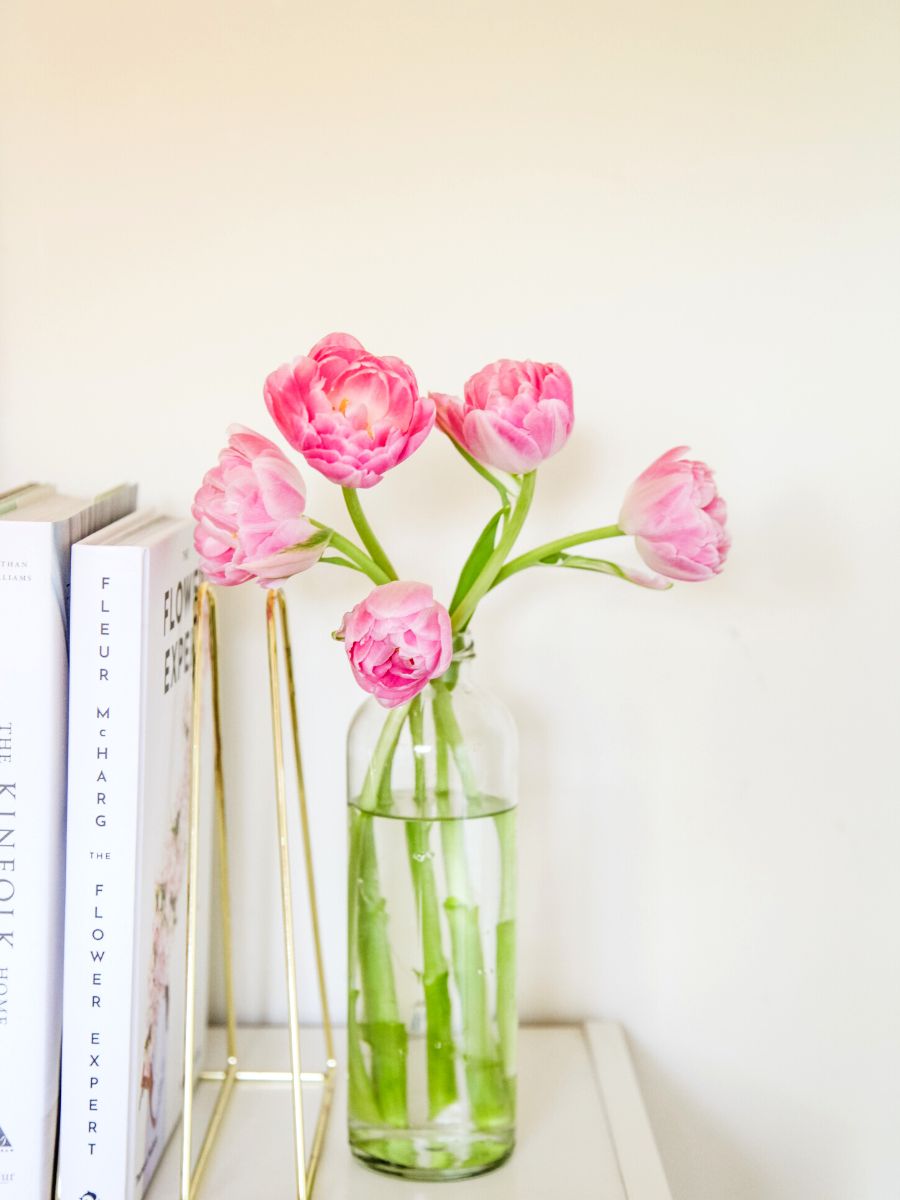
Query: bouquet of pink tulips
354, 416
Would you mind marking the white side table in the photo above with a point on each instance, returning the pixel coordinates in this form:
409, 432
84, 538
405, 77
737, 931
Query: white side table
583, 1133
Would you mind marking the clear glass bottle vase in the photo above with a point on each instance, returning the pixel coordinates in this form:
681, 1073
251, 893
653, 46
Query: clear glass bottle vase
432, 930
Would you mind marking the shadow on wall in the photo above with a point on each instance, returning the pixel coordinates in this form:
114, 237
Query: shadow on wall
692, 1142
696, 1143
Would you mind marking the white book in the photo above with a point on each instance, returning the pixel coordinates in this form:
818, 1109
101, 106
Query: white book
133, 589
37, 528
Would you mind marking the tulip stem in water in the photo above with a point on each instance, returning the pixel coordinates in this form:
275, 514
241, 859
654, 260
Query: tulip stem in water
383, 1030
440, 1051
362, 1100
369, 937
507, 1011
488, 1091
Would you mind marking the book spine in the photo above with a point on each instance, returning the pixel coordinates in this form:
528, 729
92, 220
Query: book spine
33, 667
107, 655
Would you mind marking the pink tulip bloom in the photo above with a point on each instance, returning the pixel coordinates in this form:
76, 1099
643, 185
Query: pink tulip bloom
351, 414
677, 518
512, 416
249, 514
397, 639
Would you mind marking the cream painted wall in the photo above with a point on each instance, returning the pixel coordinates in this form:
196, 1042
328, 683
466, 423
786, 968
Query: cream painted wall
695, 208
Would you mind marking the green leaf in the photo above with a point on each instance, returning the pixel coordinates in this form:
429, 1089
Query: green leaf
321, 537
337, 561
603, 567
481, 552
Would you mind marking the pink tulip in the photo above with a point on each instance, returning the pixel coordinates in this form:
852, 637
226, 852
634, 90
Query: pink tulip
351, 414
677, 518
397, 639
512, 416
249, 514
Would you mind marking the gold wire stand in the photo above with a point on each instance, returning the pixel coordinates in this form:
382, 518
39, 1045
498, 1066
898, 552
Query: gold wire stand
232, 1073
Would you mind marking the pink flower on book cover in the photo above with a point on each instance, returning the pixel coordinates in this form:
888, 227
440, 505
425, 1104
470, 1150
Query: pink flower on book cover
163, 961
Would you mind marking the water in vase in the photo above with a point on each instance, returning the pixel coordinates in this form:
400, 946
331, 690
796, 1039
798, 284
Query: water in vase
432, 1018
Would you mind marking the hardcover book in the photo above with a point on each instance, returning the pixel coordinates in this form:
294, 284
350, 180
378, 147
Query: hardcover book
133, 588
37, 529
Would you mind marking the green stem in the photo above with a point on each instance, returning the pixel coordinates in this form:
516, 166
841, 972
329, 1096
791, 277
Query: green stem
435, 974
385, 801
347, 548
462, 614
366, 533
371, 798
361, 1101
447, 726
507, 1012
417, 733
533, 557
483, 472
339, 562
489, 1095
383, 752
478, 555
384, 1030
369, 943
441, 769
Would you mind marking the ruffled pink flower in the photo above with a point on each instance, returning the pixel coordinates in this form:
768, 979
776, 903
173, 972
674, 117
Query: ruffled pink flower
512, 416
677, 518
351, 414
397, 639
249, 514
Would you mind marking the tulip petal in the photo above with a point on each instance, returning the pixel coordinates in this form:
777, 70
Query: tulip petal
513, 415
396, 640
677, 518
351, 414
249, 513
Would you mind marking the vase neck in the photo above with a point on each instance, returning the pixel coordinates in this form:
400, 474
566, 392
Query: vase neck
463, 648
461, 663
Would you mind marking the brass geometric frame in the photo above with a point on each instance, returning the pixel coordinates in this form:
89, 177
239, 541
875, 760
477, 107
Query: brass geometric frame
233, 1074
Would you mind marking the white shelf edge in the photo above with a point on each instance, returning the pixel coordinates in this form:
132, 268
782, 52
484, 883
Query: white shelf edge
639, 1162
616, 1154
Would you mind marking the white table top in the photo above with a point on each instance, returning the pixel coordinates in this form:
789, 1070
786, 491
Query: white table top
583, 1133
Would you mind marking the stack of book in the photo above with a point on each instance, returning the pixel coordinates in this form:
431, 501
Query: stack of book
96, 619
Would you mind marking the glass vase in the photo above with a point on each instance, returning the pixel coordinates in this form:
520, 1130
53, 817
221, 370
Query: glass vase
432, 930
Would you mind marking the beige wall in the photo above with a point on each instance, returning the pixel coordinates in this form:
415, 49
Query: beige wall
694, 208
